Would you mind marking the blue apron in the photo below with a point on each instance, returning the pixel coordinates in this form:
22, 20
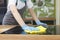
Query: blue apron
10, 20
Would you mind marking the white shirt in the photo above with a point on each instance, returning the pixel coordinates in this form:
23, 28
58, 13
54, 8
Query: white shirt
20, 4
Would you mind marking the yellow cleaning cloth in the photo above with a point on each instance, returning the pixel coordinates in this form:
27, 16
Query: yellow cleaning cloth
41, 30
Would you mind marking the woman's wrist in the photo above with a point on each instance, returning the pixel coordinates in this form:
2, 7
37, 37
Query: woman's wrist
38, 22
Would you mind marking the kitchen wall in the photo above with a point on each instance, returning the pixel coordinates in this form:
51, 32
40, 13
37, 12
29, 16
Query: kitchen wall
57, 12
58, 16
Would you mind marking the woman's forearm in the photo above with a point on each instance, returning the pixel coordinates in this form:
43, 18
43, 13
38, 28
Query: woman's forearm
16, 15
33, 14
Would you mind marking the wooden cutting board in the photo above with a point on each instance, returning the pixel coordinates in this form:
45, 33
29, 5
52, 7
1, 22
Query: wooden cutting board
6, 27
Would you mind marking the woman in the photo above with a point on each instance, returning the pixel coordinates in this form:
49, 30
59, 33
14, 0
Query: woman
15, 10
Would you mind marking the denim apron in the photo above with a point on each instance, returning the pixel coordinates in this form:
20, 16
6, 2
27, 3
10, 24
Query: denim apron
10, 20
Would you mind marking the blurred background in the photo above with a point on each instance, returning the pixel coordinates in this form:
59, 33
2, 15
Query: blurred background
48, 11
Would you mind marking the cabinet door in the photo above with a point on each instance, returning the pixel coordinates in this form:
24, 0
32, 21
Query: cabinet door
3, 8
3, 3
